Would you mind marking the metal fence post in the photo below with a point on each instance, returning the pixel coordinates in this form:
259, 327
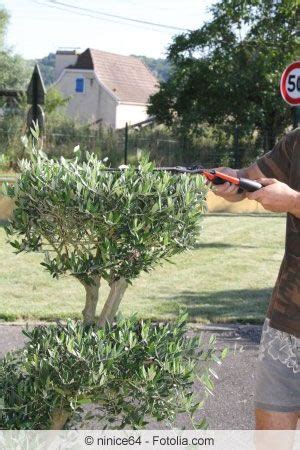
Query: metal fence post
126, 144
296, 117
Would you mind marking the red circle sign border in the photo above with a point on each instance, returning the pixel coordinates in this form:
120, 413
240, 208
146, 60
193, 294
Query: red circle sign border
290, 100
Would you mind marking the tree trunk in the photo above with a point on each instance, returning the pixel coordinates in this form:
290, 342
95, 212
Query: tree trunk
59, 419
236, 148
269, 140
117, 290
91, 300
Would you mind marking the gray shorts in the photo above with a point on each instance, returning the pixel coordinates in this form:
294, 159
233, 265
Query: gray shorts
277, 371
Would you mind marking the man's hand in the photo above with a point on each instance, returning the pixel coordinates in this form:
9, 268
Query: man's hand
230, 191
276, 196
227, 190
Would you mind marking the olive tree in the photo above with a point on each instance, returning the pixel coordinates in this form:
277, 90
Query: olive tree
132, 371
96, 224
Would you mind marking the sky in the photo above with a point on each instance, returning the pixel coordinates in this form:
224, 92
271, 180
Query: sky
38, 27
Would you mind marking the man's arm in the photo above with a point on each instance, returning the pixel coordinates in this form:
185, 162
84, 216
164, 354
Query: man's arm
230, 191
275, 196
272, 170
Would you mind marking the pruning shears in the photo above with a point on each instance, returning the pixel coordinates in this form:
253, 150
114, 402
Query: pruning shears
212, 175
216, 177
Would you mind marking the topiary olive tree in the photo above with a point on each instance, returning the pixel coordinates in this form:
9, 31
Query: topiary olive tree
96, 224
133, 371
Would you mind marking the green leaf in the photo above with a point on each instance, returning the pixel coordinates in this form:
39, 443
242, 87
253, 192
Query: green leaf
224, 353
155, 208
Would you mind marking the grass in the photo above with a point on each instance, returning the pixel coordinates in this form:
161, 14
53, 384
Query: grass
228, 277
7, 173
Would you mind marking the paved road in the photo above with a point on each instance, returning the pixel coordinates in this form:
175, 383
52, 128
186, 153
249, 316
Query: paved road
231, 407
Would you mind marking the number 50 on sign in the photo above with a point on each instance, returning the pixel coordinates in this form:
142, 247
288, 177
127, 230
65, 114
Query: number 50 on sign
290, 84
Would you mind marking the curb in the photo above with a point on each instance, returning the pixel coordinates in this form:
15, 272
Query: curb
191, 325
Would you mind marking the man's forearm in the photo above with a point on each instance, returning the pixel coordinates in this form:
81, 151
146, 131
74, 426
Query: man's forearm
294, 209
252, 172
293, 202
277, 196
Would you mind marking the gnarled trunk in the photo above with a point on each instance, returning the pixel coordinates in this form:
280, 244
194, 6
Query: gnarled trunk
117, 290
110, 308
59, 419
91, 300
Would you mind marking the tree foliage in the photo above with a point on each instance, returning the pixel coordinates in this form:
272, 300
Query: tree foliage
228, 71
47, 66
133, 371
58, 127
4, 17
95, 224
55, 102
160, 67
15, 70
99, 222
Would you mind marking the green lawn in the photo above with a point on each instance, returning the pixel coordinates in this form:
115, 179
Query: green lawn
7, 173
227, 278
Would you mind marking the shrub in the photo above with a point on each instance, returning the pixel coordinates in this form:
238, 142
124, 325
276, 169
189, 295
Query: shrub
95, 224
133, 371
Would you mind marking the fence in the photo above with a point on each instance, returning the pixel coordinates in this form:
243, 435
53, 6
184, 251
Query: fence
162, 149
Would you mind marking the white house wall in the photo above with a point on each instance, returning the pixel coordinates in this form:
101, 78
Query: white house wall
93, 104
63, 60
130, 113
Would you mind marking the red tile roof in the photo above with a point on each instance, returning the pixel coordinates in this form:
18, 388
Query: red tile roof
125, 76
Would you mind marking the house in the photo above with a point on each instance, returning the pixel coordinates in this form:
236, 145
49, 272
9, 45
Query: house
104, 87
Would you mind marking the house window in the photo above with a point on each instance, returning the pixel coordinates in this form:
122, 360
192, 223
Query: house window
79, 86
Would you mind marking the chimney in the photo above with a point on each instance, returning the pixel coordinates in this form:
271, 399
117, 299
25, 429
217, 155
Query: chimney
63, 59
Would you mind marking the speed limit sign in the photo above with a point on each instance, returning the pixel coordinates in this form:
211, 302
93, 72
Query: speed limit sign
290, 84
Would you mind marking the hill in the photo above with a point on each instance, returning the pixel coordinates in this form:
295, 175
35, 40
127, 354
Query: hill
161, 68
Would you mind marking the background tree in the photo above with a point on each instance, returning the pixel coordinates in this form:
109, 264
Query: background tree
13, 125
160, 67
15, 71
55, 102
228, 71
3, 24
47, 66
